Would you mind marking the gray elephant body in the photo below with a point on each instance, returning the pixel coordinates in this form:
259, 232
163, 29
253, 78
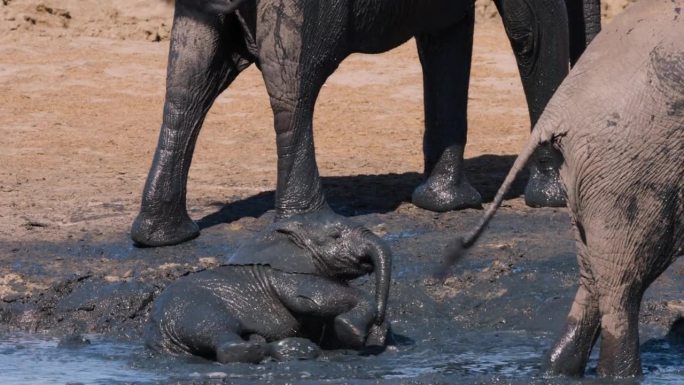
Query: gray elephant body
298, 44
618, 120
276, 288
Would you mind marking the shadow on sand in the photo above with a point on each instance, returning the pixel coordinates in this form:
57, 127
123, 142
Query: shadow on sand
367, 194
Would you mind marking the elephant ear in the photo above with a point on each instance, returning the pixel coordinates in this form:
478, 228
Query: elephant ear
277, 247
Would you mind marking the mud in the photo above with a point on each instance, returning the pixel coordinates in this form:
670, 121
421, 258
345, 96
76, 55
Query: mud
81, 91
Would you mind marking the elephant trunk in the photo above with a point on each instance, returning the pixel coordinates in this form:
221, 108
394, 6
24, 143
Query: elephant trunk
381, 257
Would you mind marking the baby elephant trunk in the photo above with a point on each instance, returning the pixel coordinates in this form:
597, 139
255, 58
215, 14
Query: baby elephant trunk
381, 257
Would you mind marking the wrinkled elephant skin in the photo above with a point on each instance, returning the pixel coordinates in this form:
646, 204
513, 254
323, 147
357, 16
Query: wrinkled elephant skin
618, 120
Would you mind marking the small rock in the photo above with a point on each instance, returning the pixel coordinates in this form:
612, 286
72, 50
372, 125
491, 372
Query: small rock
112, 278
208, 261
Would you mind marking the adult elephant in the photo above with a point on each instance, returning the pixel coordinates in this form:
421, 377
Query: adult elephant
618, 120
297, 44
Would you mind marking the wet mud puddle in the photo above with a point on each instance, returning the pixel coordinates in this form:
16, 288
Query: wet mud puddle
496, 357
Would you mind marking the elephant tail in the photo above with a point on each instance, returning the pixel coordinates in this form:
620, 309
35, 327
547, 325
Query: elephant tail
456, 249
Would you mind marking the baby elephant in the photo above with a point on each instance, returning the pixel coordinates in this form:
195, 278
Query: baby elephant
281, 290
618, 120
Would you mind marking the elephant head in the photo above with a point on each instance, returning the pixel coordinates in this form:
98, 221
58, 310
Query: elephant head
324, 244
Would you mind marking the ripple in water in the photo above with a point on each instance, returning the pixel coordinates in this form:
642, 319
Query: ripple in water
469, 357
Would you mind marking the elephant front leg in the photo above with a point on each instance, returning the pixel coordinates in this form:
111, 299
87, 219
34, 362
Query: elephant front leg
538, 32
294, 76
299, 189
354, 326
353, 311
446, 58
619, 355
202, 63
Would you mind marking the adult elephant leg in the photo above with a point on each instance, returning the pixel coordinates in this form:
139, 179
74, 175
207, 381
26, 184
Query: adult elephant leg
584, 22
299, 188
294, 76
445, 57
203, 60
619, 355
538, 33
570, 353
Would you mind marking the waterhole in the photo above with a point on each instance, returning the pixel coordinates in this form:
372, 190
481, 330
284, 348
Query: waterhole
472, 357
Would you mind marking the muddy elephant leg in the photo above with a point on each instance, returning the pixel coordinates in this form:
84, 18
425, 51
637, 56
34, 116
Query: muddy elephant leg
206, 328
203, 60
584, 21
446, 58
619, 355
293, 348
294, 69
353, 310
570, 353
538, 33
230, 347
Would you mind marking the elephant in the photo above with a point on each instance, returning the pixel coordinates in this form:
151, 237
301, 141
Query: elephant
618, 120
298, 44
281, 290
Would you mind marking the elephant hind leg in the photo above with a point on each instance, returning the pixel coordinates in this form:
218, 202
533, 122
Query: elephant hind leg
619, 355
570, 353
197, 322
538, 32
204, 58
446, 58
230, 347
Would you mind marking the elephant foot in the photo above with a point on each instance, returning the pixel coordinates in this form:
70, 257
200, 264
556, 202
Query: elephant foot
442, 194
242, 351
290, 349
350, 334
378, 336
544, 188
163, 230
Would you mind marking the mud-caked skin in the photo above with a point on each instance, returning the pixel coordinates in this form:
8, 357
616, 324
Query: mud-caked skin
297, 45
277, 296
618, 121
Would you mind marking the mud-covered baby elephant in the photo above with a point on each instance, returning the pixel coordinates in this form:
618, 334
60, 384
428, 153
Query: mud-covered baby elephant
618, 120
283, 289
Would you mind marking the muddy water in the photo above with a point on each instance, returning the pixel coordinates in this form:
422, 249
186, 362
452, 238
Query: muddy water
482, 358
489, 323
